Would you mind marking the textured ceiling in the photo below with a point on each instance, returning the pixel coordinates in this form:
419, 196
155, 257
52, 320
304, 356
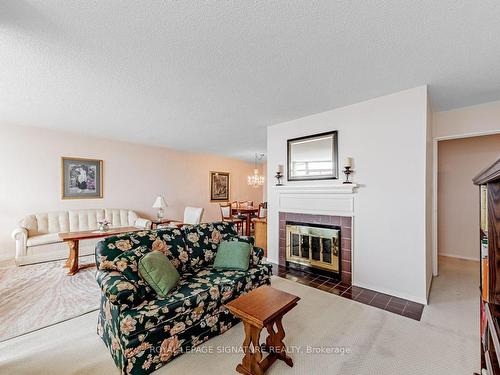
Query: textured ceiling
211, 75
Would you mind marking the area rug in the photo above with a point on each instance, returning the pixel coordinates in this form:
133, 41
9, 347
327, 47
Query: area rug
325, 334
40, 295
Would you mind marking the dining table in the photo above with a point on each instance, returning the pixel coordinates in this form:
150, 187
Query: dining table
246, 211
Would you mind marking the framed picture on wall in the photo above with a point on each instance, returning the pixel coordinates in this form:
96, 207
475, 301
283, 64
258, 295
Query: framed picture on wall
219, 186
81, 178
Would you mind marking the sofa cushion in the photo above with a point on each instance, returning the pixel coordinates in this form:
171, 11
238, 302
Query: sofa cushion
120, 217
233, 255
174, 249
256, 254
44, 223
234, 282
43, 239
203, 240
182, 307
86, 219
169, 241
158, 272
196, 296
30, 224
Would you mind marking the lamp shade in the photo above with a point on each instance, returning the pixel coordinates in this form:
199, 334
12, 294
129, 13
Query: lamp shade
159, 202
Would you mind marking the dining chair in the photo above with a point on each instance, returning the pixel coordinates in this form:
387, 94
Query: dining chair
225, 210
192, 215
261, 214
245, 203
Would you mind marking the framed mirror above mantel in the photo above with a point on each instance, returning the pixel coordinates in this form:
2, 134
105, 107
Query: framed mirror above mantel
313, 157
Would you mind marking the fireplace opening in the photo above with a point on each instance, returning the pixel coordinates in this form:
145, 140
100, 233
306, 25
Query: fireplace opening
315, 247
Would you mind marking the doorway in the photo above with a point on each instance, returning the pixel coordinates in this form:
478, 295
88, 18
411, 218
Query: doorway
459, 160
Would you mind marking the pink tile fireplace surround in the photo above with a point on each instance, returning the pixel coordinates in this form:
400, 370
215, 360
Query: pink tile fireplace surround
345, 223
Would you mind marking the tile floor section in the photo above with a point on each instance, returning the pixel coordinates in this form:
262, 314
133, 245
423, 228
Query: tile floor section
383, 301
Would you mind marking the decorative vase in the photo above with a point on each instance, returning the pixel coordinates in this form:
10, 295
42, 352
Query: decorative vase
103, 227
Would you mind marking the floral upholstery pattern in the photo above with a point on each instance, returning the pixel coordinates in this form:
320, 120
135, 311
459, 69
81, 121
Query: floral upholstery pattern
127, 264
117, 289
144, 331
257, 256
195, 296
203, 240
169, 241
247, 239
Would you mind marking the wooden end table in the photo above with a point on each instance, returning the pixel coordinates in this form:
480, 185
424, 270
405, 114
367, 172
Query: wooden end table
260, 234
262, 307
73, 240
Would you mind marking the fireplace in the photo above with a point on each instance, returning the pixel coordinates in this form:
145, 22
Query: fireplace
341, 249
315, 246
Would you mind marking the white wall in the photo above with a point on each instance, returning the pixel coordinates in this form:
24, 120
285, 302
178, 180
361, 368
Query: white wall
134, 175
479, 119
386, 137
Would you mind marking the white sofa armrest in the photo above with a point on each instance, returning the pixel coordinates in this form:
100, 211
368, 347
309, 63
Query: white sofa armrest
142, 223
19, 232
20, 235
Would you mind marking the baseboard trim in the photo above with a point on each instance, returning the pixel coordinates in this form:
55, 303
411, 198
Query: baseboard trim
6, 258
272, 260
50, 257
429, 282
458, 256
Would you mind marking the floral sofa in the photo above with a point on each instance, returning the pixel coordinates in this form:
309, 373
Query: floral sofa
143, 331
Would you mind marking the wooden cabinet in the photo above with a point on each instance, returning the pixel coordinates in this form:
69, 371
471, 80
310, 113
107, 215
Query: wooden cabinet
489, 187
261, 234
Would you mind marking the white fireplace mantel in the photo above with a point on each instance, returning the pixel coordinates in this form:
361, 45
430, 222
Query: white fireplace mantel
315, 189
338, 199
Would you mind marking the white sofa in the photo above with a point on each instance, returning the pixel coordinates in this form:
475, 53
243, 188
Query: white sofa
37, 238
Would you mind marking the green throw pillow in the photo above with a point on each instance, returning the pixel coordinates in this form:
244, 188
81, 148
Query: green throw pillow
233, 255
159, 272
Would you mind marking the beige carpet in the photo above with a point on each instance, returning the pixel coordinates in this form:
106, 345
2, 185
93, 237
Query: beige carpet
446, 341
38, 295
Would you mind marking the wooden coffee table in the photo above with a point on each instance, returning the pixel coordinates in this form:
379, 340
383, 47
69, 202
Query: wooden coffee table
262, 307
73, 240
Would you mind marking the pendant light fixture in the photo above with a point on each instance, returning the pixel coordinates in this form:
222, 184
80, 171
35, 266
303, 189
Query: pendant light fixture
256, 179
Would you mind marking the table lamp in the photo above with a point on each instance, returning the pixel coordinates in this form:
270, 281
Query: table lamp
160, 204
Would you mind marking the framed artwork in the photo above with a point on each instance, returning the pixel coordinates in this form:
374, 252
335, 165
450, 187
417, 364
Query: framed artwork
81, 178
314, 157
219, 186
